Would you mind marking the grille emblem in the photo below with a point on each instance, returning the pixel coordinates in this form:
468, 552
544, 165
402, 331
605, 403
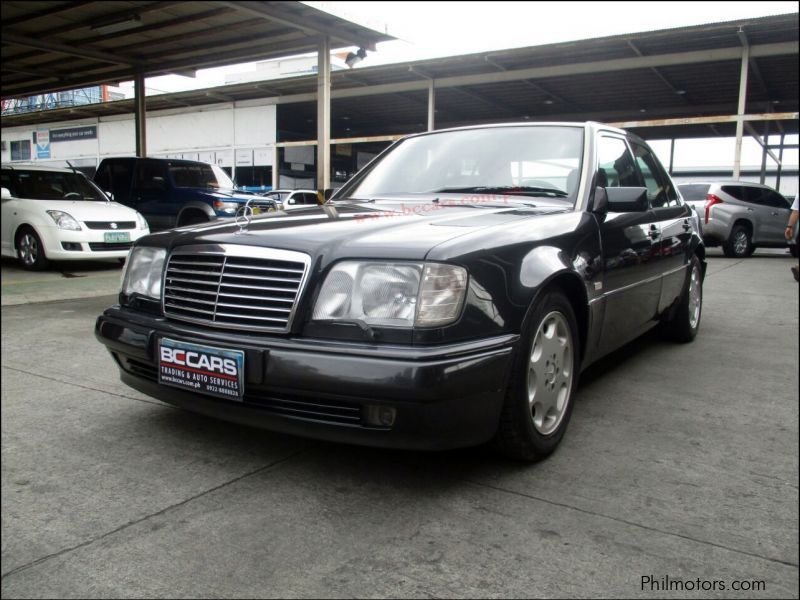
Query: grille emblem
244, 216
113, 226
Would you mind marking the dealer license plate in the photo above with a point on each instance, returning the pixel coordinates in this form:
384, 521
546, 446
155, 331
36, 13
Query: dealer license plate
202, 369
117, 237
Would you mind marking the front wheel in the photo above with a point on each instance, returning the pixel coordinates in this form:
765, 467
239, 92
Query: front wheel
30, 250
538, 402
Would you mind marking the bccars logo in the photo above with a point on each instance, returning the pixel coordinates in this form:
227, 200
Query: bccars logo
188, 358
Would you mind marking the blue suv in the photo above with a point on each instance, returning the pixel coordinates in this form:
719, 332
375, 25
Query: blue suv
173, 193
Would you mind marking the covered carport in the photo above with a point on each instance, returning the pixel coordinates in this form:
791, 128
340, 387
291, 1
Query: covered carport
737, 78
51, 46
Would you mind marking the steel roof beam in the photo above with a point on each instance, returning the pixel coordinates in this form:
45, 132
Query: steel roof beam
68, 50
47, 12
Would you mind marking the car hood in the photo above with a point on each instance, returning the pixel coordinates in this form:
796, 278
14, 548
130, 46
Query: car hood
88, 210
386, 229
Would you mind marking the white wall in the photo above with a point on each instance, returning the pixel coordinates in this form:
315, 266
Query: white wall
213, 132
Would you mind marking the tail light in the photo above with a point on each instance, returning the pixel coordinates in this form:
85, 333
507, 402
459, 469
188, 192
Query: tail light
711, 200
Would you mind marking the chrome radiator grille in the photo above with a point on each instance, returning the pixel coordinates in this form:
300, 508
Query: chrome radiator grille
234, 287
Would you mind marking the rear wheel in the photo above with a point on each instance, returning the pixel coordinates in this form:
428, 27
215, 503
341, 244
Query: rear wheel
739, 244
538, 402
686, 321
30, 250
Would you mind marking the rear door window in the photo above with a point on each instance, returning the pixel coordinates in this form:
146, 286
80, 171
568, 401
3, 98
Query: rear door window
775, 200
737, 191
659, 187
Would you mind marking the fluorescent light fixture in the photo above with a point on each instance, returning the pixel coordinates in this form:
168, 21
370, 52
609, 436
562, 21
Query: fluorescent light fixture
129, 22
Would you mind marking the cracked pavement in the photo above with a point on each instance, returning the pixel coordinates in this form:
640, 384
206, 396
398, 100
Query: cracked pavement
680, 461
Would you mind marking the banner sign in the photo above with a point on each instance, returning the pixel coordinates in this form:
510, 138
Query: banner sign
41, 137
89, 132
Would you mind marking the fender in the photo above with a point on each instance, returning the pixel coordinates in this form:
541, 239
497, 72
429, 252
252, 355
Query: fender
204, 207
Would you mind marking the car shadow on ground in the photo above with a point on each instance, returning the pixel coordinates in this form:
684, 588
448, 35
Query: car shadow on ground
66, 268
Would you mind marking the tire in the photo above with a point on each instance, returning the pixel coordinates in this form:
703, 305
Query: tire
30, 250
739, 244
546, 368
685, 322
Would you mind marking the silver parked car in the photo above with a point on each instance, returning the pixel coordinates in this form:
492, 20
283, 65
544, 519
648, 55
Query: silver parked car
739, 215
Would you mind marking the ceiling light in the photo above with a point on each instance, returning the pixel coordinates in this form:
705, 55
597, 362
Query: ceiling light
129, 22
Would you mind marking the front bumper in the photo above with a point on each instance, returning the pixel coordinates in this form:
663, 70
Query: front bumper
91, 242
444, 397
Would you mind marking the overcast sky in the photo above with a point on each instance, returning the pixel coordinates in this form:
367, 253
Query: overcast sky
434, 29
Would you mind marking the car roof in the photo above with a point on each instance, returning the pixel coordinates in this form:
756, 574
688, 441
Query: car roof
32, 167
727, 182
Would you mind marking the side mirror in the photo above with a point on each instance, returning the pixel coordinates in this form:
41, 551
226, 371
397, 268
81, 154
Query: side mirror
159, 183
627, 199
291, 201
110, 196
6, 194
329, 193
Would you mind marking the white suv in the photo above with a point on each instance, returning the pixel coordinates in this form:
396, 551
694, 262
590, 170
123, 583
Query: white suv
58, 214
739, 215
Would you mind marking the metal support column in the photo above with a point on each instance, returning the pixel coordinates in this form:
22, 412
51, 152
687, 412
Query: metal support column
140, 119
276, 167
431, 105
737, 159
324, 116
764, 152
780, 163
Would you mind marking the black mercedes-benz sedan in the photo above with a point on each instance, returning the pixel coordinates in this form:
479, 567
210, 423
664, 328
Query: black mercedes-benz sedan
449, 294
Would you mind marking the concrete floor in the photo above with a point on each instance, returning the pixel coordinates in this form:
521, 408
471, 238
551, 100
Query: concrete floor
681, 461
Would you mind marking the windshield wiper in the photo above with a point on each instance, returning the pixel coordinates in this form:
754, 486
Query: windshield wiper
519, 190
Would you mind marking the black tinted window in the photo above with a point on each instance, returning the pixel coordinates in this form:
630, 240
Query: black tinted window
615, 166
151, 176
737, 191
694, 192
51, 185
775, 200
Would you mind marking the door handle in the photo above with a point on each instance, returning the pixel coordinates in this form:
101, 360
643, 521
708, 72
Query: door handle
749, 210
774, 214
686, 225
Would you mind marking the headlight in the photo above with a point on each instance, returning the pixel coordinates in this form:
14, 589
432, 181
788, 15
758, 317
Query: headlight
64, 220
229, 208
142, 221
143, 271
400, 294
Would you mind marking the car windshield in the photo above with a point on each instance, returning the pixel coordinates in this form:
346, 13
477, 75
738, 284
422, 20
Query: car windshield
198, 175
50, 185
280, 196
521, 161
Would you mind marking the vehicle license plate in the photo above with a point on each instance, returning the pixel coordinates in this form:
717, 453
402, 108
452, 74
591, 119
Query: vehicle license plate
117, 237
202, 369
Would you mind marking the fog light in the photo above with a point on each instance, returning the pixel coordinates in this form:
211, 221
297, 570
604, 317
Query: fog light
71, 246
381, 416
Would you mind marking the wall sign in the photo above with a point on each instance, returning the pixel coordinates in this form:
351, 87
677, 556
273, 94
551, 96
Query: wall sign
89, 132
41, 137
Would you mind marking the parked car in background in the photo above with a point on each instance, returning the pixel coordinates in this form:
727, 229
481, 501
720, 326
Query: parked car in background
292, 199
173, 193
58, 214
739, 215
441, 298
